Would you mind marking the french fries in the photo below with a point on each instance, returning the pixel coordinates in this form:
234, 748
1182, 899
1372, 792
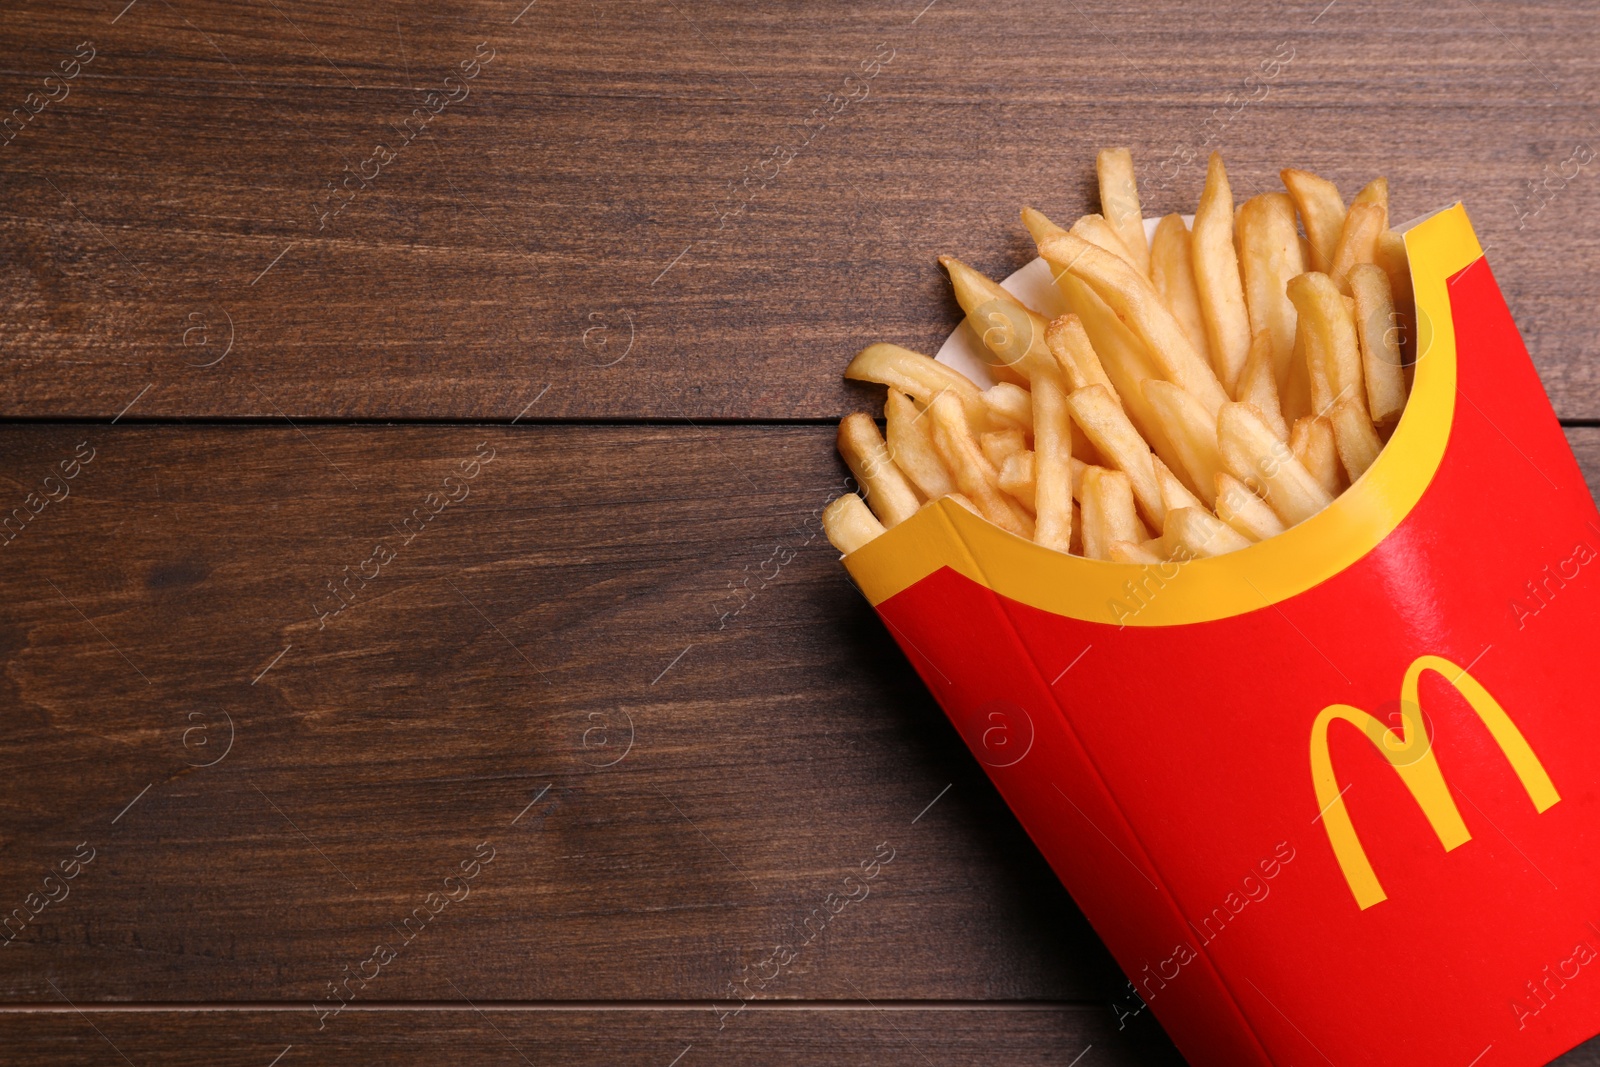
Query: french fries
1172, 271
1052, 463
1216, 275
1270, 255
1207, 390
1108, 514
1119, 203
1379, 334
886, 487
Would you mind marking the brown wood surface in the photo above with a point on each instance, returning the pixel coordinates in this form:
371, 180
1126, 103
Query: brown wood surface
624, 659
562, 226
864, 1036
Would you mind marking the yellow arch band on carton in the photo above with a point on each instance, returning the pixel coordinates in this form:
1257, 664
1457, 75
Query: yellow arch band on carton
945, 534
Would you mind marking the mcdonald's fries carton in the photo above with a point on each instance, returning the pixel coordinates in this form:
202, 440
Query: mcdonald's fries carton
1332, 798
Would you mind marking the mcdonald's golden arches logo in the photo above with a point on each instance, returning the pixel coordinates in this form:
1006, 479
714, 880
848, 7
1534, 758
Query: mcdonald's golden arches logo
1409, 751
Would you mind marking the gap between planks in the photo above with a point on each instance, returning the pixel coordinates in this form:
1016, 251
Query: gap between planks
174, 1007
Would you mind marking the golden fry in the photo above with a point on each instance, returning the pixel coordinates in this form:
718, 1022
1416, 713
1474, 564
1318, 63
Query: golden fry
1254, 455
1216, 276
1108, 512
997, 445
1270, 255
1131, 552
1106, 425
1011, 332
1174, 494
1312, 443
1052, 463
1379, 334
1330, 339
1134, 300
1017, 479
1357, 442
1259, 385
886, 489
1198, 533
1123, 357
1390, 254
918, 375
910, 439
1119, 203
1098, 232
1358, 242
849, 524
1172, 273
1194, 435
1079, 362
974, 475
1244, 511
1321, 211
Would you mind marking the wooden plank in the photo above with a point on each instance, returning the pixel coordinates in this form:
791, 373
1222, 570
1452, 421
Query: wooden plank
563, 231
647, 1038
671, 775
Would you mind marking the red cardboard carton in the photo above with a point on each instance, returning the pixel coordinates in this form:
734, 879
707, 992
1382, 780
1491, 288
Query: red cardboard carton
1330, 798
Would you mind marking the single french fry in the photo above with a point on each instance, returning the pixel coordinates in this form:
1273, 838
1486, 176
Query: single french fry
1130, 552
1379, 335
1097, 231
1353, 435
1313, 445
997, 445
974, 475
1039, 227
1052, 463
1075, 355
1330, 339
920, 376
1134, 300
1174, 494
1011, 332
1010, 405
1194, 435
910, 440
1244, 511
1017, 479
1258, 386
1254, 455
1201, 533
1172, 274
1375, 192
1270, 255
1321, 211
891, 496
1358, 243
1390, 254
1119, 202
1216, 275
849, 523
1108, 511
1106, 425
1297, 399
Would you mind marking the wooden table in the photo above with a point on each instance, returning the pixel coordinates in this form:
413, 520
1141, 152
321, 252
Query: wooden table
445, 531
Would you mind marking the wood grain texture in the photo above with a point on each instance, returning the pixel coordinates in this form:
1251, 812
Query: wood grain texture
578, 600
630, 1038
563, 230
